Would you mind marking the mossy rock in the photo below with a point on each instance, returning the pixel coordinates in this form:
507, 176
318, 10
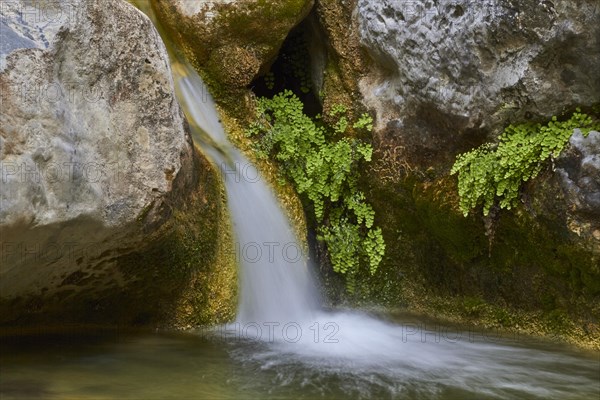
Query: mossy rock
347, 61
231, 41
200, 281
182, 276
522, 271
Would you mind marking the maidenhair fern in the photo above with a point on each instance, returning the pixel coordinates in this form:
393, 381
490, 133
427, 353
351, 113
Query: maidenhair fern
491, 175
323, 165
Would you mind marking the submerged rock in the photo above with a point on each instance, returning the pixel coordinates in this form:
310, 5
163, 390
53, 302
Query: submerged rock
99, 174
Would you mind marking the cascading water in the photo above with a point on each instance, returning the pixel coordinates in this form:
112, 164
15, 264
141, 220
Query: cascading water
277, 291
275, 282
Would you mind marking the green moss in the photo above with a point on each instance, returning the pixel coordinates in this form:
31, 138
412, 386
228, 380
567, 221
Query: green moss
236, 40
347, 61
335, 93
206, 245
523, 241
473, 306
247, 21
530, 276
187, 276
461, 239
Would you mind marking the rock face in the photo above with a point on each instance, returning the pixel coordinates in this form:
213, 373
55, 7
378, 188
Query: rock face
450, 75
96, 161
579, 170
231, 40
451, 68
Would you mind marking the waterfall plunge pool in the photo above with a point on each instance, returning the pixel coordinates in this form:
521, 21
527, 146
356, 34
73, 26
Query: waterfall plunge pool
355, 356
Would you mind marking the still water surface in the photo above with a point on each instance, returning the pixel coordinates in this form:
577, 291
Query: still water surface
437, 363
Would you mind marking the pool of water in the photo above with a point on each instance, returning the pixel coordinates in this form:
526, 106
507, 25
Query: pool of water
398, 359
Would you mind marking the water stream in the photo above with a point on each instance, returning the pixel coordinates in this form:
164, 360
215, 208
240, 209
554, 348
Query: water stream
282, 345
275, 282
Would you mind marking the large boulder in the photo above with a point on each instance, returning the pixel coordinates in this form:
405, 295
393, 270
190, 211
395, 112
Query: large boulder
231, 39
448, 70
99, 174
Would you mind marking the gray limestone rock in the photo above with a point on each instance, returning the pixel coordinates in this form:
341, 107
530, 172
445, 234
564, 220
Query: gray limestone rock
93, 147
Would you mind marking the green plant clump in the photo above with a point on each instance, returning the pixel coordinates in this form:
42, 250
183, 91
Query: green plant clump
323, 165
491, 174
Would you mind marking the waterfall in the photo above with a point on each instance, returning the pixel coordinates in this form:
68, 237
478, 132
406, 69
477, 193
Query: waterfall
352, 349
275, 282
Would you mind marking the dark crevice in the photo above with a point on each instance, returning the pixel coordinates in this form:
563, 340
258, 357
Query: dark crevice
293, 68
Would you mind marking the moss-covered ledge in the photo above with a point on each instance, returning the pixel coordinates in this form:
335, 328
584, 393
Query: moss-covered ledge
211, 37
232, 41
522, 272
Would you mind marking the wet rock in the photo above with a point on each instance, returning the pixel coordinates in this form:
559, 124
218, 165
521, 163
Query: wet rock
579, 170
